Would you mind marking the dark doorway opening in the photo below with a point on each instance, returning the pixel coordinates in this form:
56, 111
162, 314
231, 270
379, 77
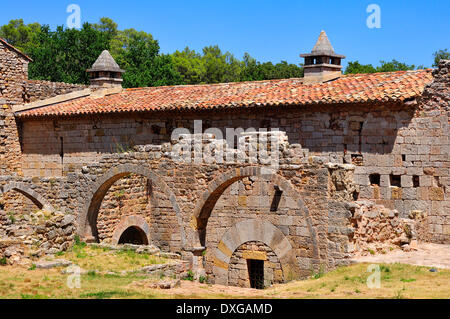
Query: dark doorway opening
133, 235
256, 273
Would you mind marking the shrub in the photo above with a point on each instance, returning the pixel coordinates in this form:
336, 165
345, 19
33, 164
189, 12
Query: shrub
189, 276
3, 261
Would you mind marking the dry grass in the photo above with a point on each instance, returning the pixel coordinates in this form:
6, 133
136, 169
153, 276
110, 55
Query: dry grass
102, 259
397, 281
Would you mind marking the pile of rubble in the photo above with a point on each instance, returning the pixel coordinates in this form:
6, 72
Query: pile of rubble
378, 229
34, 235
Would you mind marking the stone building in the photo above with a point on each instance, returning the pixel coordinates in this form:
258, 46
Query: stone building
360, 160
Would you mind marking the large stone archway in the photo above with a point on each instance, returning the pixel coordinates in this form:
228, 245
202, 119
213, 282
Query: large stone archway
253, 230
217, 187
28, 192
298, 249
87, 219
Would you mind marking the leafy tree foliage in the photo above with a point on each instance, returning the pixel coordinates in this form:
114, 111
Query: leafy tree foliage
440, 55
65, 54
20, 35
139, 56
394, 65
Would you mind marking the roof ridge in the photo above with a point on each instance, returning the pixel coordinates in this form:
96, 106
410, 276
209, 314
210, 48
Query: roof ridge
15, 49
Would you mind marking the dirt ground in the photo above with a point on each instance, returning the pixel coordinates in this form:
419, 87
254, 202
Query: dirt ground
430, 255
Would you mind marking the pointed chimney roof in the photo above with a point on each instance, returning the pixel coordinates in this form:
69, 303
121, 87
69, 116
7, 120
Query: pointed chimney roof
106, 62
323, 45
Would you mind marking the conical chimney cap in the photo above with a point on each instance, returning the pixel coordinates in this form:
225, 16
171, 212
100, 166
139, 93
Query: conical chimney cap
323, 45
106, 63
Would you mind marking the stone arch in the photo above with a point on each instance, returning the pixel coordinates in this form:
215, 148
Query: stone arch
131, 221
87, 219
248, 231
28, 192
217, 187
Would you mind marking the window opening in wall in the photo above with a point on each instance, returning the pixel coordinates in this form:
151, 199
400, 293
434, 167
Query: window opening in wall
416, 181
256, 273
395, 180
404, 158
357, 159
374, 179
276, 199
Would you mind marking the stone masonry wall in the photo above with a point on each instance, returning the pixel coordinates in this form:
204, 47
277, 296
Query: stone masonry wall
400, 151
16, 89
239, 274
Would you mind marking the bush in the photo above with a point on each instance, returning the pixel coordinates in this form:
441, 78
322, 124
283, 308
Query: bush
189, 276
3, 261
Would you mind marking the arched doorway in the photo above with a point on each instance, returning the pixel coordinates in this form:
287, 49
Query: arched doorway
133, 235
254, 265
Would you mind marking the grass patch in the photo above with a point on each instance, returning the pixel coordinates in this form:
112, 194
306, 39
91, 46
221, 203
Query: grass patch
106, 294
99, 259
345, 282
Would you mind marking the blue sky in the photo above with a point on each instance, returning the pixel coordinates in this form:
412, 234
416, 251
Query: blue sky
274, 30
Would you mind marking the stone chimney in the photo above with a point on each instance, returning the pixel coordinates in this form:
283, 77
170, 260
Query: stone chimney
106, 72
322, 64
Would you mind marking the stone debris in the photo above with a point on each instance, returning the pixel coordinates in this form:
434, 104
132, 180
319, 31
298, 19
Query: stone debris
378, 229
164, 284
49, 264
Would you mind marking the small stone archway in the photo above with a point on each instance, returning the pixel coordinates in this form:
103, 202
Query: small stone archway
253, 230
28, 192
87, 219
128, 222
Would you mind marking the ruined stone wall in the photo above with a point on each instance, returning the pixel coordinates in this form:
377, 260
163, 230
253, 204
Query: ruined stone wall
401, 156
35, 90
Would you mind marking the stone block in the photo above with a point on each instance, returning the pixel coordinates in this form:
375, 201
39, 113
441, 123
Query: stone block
256, 255
436, 193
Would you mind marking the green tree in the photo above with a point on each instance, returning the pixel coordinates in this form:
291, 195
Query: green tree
190, 65
440, 55
256, 71
357, 68
394, 65
139, 56
107, 25
64, 55
22, 36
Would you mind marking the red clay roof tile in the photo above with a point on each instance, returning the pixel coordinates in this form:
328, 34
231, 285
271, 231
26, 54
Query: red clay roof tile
359, 88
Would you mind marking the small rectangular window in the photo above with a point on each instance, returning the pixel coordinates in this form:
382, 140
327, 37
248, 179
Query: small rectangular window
374, 179
396, 180
357, 159
276, 199
416, 181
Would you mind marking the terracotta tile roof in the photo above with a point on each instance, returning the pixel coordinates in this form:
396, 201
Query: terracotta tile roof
359, 88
